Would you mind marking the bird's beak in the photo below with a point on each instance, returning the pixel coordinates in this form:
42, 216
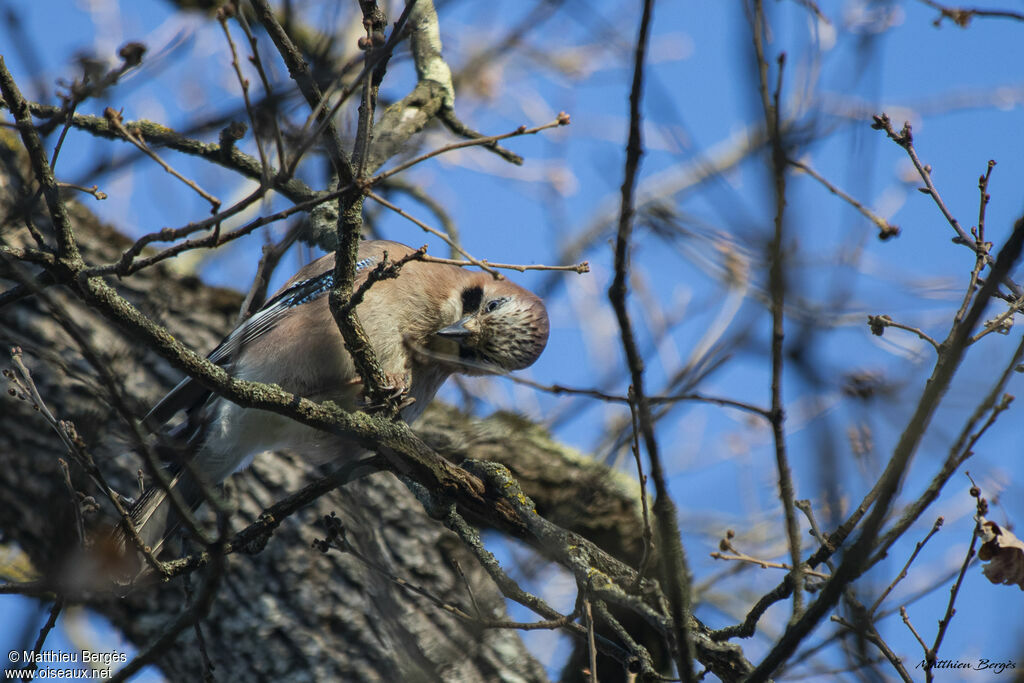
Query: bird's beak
455, 331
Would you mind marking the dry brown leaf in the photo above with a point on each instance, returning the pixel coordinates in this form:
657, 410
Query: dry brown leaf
1004, 553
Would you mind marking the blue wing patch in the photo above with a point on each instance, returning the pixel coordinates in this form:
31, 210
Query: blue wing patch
189, 394
262, 320
308, 290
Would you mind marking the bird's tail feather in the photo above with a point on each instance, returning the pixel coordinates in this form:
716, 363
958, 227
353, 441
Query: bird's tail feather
154, 515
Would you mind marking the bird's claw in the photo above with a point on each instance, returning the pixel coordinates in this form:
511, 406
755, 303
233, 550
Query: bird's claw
395, 395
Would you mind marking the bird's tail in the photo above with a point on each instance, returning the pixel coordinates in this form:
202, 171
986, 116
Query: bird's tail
155, 516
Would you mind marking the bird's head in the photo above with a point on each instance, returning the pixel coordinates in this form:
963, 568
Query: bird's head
500, 327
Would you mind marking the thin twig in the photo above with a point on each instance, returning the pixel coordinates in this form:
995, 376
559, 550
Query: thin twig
385, 270
653, 400
469, 589
300, 72
962, 16
226, 155
933, 653
129, 264
37, 648
880, 322
777, 291
94, 190
454, 124
269, 259
642, 657
984, 199
561, 120
766, 564
903, 572
511, 590
906, 620
69, 112
994, 404
580, 268
198, 610
905, 139
267, 89
67, 245
875, 638
437, 233
981, 256
65, 431
885, 228
125, 265
674, 570
805, 507
1002, 322
115, 120
591, 648
222, 18
855, 560
336, 539
73, 497
648, 536
434, 206
371, 64
32, 589
197, 627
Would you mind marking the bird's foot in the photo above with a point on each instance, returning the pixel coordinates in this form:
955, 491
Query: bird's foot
395, 396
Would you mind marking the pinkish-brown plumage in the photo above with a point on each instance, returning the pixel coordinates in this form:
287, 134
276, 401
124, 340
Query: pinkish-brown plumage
429, 322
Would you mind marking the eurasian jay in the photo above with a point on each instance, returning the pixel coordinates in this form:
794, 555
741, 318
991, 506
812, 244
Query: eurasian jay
429, 322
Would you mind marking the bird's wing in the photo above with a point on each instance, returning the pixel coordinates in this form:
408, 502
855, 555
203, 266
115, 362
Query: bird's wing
307, 286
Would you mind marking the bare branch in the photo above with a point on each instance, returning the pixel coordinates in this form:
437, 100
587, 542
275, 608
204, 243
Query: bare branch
115, 122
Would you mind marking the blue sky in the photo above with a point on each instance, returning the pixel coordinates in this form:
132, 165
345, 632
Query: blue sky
961, 89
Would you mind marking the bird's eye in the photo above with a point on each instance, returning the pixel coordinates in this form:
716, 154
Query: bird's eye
493, 305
